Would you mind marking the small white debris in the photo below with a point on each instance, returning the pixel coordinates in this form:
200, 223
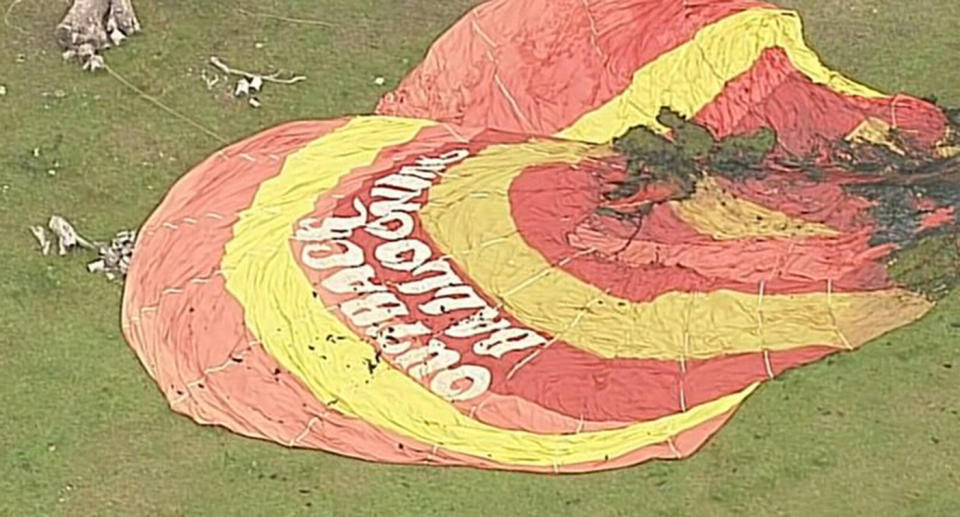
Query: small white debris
51, 447
94, 63
41, 235
209, 81
258, 45
115, 257
67, 236
379, 81
270, 78
242, 89
250, 83
36, 152
52, 172
3, 90
116, 36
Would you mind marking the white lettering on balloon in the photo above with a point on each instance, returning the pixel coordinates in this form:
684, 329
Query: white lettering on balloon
375, 308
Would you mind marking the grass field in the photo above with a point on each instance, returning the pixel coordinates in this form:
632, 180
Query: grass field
83, 430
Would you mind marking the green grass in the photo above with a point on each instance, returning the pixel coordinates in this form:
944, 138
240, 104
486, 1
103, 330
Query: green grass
83, 431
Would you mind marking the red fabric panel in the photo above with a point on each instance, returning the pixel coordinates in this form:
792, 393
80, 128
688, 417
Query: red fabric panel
557, 59
643, 264
805, 115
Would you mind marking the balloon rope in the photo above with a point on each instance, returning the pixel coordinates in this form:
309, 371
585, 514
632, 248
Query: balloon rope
6, 17
164, 107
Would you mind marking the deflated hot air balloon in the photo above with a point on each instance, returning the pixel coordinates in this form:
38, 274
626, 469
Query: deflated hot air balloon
597, 239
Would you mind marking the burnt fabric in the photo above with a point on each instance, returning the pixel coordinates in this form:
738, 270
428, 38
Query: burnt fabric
449, 282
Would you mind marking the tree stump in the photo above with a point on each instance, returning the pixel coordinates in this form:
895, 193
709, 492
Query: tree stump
90, 26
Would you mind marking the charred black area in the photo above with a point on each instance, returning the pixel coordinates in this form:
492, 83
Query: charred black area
898, 211
930, 265
905, 185
682, 158
895, 212
688, 152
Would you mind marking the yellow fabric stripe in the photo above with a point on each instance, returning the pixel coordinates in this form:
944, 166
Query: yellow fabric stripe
474, 194
690, 76
280, 310
715, 212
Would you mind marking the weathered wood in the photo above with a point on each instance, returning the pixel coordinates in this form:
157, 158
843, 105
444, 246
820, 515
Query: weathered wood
90, 26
